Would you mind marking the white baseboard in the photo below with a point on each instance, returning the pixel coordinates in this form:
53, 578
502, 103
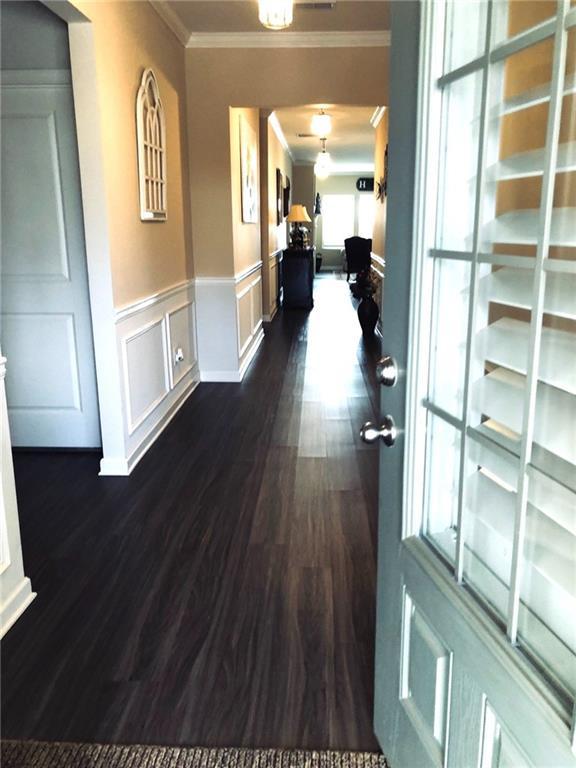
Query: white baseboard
249, 356
15, 605
224, 377
110, 466
272, 315
125, 466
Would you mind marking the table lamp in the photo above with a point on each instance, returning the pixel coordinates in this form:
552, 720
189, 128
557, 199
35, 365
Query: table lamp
298, 216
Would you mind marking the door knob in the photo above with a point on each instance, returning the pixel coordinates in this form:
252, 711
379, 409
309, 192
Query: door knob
387, 371
387, 432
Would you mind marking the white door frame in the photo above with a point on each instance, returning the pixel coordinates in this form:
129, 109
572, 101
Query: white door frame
96, 230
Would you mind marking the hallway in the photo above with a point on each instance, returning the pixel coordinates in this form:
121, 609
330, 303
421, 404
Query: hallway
224, 593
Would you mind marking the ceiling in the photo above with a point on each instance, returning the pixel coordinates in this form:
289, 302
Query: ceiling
351, 141
242, 16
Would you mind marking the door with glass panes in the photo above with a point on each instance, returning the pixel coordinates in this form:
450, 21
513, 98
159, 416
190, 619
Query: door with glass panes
476, 638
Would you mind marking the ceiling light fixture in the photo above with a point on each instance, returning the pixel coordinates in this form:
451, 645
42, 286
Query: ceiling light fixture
321, 124
275, 14
323, 163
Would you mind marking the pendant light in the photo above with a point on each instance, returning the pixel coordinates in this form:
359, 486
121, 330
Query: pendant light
321, 124
275, 14
323, 162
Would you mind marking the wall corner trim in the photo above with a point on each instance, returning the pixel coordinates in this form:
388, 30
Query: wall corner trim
172, 20
277, 128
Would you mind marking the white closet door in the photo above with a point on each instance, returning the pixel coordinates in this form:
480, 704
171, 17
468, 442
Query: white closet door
45, 312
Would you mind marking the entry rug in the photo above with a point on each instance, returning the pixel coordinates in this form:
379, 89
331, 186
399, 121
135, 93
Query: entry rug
39, 754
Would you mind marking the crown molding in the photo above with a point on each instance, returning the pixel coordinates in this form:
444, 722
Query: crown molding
368, 39
277, 128
377, 115
171, 19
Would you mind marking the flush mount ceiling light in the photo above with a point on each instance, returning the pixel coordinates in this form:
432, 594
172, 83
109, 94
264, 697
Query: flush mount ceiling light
275, 14
321, 124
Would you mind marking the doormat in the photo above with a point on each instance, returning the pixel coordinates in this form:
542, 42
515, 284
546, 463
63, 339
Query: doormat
38, 754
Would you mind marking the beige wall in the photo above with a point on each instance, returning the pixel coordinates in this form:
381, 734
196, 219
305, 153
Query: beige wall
245, 235
381, 140
274, 237
146, 257
277, 158
220, 78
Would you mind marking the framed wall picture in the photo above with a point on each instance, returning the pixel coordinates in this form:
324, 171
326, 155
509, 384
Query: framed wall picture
279, 197
249, 172
287, 197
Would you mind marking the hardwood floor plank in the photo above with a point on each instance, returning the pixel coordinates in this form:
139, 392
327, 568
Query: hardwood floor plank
224, 593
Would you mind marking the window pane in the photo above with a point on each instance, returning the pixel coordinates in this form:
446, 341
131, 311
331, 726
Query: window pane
548, 586
512, 17
337, 220
448, 335
442, 478
465, 32
366, 213
488, 520
548, 590
500, 353
458, 164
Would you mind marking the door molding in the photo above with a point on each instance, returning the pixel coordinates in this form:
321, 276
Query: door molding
96, 230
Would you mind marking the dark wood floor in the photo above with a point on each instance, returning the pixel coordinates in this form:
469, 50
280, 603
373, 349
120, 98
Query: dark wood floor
224, 593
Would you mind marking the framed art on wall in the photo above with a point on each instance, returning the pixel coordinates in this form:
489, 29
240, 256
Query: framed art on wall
287, 197
279, 197
249, 172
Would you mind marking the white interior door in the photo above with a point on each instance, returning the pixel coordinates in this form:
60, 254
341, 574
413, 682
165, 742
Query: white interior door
45, 329
476, 640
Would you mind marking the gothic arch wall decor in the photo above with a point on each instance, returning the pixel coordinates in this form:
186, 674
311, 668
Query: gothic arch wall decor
151, 130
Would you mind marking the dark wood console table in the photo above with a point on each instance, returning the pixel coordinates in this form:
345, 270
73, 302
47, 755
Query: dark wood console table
298, 267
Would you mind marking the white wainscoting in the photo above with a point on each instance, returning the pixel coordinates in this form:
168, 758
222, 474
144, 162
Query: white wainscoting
229, 312
15, 588
273, 260
151, 334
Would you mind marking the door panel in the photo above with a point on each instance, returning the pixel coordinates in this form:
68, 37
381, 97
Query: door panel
476, 574
45, 312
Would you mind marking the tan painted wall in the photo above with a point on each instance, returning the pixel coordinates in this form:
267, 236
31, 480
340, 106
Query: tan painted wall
381, 139
245, 235
146, 257
274, 237
277, 158
267, 78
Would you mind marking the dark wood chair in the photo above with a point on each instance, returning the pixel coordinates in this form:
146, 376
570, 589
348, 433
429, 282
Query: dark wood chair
358, 254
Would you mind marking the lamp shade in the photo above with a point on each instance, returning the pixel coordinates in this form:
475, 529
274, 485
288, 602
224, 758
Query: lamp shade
275, 14
298, 213
321, 124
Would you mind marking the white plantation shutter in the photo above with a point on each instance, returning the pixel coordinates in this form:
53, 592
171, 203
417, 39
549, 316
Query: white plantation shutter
500, 497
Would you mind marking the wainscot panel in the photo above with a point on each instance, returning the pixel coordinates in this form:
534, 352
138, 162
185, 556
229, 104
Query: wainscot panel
156, 339
273, 283
229, 323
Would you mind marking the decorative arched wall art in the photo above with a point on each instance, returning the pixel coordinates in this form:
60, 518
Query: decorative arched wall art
151, 128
